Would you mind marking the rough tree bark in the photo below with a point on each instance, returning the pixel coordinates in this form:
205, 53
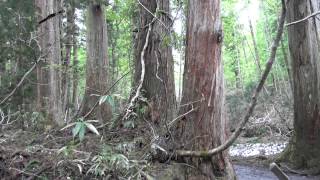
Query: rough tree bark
203, 90
304, 148
66, 79
159, 81
48, 75
97, 62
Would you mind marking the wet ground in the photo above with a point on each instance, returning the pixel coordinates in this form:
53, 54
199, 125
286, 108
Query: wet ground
245, 172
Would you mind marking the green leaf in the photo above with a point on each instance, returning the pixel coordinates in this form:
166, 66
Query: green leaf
76, 129
103, 99
111, 101
92, 128
82, 131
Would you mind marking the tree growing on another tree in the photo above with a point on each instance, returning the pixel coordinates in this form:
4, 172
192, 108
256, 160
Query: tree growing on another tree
158, 82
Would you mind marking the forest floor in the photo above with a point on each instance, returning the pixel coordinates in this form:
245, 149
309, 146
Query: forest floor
35, 152
30, 154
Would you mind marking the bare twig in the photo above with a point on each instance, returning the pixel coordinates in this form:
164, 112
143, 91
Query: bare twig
154, 16
182, 115
104, 93
24, 172
50, 16
2, 116
235, 135
21, 81
304, 19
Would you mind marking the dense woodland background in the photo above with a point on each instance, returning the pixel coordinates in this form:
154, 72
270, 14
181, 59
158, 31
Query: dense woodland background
146, 89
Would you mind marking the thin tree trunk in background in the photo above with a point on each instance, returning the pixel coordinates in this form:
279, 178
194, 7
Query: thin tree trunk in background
255, 46
159, 75
237, 70
75, 72
304, 148
288, 65
2, 71
205, 127
268, 38
113, 62
113, 30
48, 75
97, 62
257, 57
66, 83
180, 75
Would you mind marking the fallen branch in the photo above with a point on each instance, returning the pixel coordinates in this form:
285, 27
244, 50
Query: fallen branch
275, 169
304, 19
235, 135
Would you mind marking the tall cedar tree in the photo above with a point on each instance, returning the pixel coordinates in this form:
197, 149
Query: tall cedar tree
204, 125
49, 95
304, 149
97, 62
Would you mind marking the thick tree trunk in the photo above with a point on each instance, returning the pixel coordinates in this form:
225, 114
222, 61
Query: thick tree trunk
159, 81
97, 62
205, 126
49, 77
304, 148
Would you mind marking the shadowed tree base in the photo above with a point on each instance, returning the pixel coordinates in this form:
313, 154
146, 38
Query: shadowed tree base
301, 160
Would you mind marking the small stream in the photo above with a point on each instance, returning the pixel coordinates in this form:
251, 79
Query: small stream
254, 149
247, 172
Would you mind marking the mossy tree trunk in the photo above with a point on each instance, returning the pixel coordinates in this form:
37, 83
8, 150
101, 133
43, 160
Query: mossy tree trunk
304, 148
204, 124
